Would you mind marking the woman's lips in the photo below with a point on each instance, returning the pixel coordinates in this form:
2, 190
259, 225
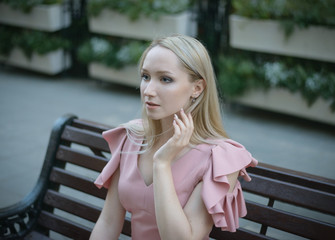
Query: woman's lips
151, 105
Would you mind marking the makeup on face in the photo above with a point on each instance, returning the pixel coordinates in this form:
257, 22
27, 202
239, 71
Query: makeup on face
165, 85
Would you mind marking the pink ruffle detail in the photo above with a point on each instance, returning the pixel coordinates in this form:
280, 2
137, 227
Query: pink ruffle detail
226, 208
115, 139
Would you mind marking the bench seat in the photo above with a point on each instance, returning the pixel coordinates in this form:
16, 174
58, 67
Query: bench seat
281, 203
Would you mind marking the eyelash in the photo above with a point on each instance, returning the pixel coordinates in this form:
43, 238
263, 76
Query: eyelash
146, 77
169, 80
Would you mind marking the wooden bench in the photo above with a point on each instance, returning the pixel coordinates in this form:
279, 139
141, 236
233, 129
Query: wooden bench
282, 204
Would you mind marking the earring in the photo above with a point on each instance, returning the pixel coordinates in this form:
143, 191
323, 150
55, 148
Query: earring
193, 100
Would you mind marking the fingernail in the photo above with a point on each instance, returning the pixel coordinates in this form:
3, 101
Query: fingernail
175, 116
182, 109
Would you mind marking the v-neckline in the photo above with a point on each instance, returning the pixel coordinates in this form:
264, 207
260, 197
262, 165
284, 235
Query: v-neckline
172, 165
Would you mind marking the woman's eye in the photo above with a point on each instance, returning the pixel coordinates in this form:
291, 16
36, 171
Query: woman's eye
144, 77
167, 79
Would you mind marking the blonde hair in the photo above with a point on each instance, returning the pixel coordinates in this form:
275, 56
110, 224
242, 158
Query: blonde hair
206, 108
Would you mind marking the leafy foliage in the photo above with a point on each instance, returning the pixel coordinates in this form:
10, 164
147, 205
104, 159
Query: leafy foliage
296, 13
6, 43
134, 9
240, 73
243, 71
237, 74
112, 52
30, 41
27, 5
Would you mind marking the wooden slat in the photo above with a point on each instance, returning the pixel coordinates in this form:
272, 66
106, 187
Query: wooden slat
126, 227
79, 208
85, 137
63, 226
240, 233
77, 182
291, 193
295, 177
72, 205
288, 222
90, 125
70, 155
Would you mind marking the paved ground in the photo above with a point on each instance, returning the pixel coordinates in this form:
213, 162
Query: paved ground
30, 103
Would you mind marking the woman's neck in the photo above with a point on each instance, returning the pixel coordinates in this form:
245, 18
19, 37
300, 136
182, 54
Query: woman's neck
167, 129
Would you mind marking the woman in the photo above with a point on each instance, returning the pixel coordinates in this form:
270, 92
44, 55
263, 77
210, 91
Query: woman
175, 170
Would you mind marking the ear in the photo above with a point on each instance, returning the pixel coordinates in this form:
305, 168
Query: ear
198, 87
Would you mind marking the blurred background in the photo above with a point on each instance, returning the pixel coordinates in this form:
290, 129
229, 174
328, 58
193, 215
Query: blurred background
274, 61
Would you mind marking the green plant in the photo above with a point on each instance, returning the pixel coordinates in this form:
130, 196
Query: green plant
112, 52
6, 43
236, 75
30, 41
240, 73
135, 9
27, 5
291, 14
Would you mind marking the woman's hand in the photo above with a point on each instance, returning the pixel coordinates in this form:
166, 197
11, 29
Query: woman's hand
173, 220
183, 129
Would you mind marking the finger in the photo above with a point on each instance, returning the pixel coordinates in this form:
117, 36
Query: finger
181, 133
190, 127
190, 119
177, 129
180, 122
188, 122
184, 117
185, 127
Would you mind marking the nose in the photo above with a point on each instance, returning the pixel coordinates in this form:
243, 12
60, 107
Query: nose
149, 88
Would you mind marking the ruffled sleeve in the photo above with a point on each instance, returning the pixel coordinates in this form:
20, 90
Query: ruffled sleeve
226, 207
115, 139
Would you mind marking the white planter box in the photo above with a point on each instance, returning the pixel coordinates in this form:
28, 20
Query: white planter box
267, 36
281, 100
127, 76
51, 63
43, 17
116, 24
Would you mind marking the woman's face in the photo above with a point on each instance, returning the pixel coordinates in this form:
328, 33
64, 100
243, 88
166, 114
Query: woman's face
165, 85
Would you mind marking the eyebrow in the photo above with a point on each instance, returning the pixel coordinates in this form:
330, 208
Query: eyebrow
159, 72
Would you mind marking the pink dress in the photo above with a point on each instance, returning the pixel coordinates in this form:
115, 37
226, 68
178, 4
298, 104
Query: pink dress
208, 163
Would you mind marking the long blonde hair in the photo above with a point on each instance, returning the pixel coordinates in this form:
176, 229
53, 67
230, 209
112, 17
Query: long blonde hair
206, 108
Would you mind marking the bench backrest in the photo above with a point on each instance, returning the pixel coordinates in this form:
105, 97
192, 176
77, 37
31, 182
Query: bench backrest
72, 203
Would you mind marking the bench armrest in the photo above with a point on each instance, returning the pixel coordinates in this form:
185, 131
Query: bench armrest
19, 219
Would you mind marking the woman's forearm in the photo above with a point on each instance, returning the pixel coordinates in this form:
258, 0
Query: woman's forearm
171, 219
110, 222
106, 231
